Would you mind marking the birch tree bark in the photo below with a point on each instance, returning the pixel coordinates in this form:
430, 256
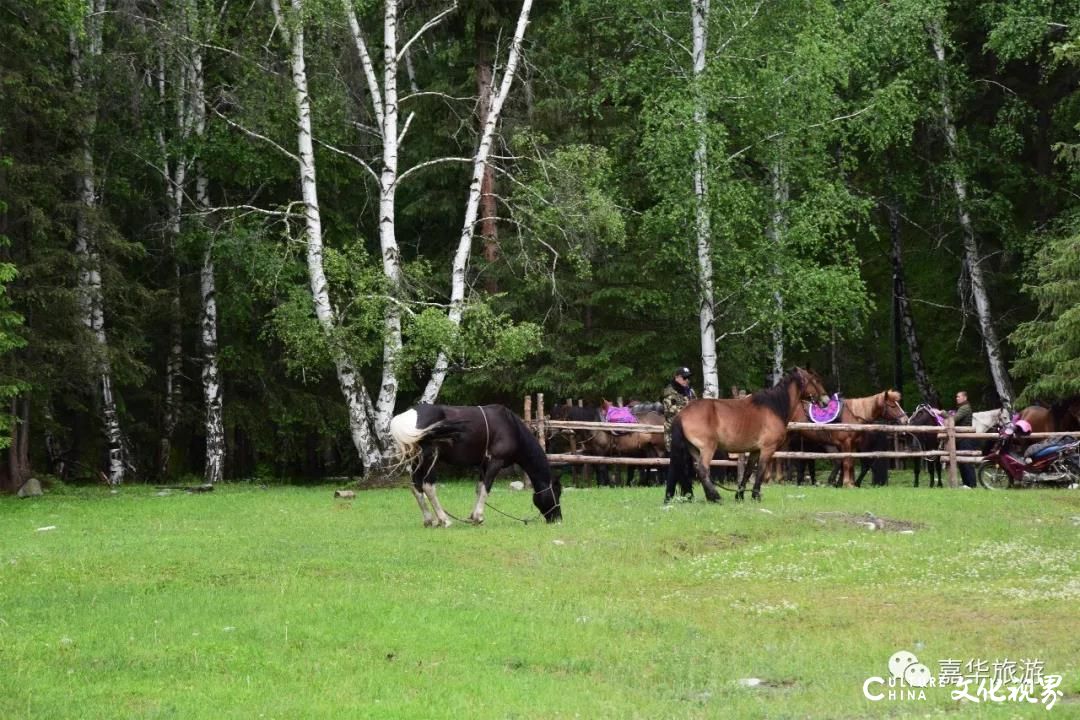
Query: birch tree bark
775, 232
699, 17
472, 203
86, 52
907, 318
972, 257
214, 470
391, 253
352, 388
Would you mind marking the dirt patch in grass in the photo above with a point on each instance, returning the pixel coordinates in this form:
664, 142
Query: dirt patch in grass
705, 543
868, 521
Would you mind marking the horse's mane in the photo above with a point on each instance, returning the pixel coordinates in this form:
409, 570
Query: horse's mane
864, 407
776, 398
531, 457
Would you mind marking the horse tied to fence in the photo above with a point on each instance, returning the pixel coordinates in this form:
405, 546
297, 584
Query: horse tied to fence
756, 424
490, 437
885, 405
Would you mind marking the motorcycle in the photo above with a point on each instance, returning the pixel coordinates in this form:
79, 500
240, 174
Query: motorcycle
1056, 460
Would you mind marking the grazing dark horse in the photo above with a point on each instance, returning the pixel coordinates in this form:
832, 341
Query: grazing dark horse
883, 405
1062, 416
490, 437
756, 424
927, 441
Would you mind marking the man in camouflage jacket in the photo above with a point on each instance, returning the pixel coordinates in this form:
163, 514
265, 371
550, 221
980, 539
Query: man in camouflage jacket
676, 395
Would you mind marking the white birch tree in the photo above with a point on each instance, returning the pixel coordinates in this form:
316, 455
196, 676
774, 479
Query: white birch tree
775, 233
472, 203
86, 45
214, 470
973, 259
699, 16
357, 400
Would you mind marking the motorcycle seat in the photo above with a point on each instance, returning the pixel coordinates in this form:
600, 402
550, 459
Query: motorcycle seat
1047, 451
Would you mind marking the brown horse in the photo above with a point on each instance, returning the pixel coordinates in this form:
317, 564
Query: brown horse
1063, 416
884, 405
756, 424
629, 443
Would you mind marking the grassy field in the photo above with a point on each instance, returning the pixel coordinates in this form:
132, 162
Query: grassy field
281, 602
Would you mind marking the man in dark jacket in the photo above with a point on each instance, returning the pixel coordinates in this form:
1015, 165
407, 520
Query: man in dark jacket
962, 418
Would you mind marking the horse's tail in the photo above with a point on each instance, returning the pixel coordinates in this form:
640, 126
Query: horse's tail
406, 435
682, 464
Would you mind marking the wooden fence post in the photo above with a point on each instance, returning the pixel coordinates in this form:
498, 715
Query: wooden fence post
528, 409
950, 448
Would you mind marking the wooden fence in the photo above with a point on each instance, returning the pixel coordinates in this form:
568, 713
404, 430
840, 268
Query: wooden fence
541, 425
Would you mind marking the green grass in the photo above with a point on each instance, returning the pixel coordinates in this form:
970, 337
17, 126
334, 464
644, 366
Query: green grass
285, 603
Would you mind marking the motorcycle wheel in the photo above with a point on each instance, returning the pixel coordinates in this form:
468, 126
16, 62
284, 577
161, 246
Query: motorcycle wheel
993, 477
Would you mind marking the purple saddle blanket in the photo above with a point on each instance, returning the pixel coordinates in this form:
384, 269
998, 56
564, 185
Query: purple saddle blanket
826, 414
620, 415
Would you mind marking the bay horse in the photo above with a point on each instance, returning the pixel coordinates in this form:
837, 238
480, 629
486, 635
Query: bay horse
756, 424
1062, 416
489, 437
631, 443
580, 440
884, 405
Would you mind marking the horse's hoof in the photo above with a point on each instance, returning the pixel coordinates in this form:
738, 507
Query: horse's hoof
756, 496
429, 522
476, 520
738, 495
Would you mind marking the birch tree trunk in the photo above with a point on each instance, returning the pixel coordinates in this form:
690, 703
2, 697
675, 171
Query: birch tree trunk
699, 18
214, 470
485, 90
352, 388
87, 50
907, 319
391, 253
472, 204
972, 258
777, 223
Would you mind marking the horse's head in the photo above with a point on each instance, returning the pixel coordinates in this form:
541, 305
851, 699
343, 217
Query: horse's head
925, 415
811, 386
892, 410
548, 499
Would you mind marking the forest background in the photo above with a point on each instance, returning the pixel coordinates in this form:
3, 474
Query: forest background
237, 237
